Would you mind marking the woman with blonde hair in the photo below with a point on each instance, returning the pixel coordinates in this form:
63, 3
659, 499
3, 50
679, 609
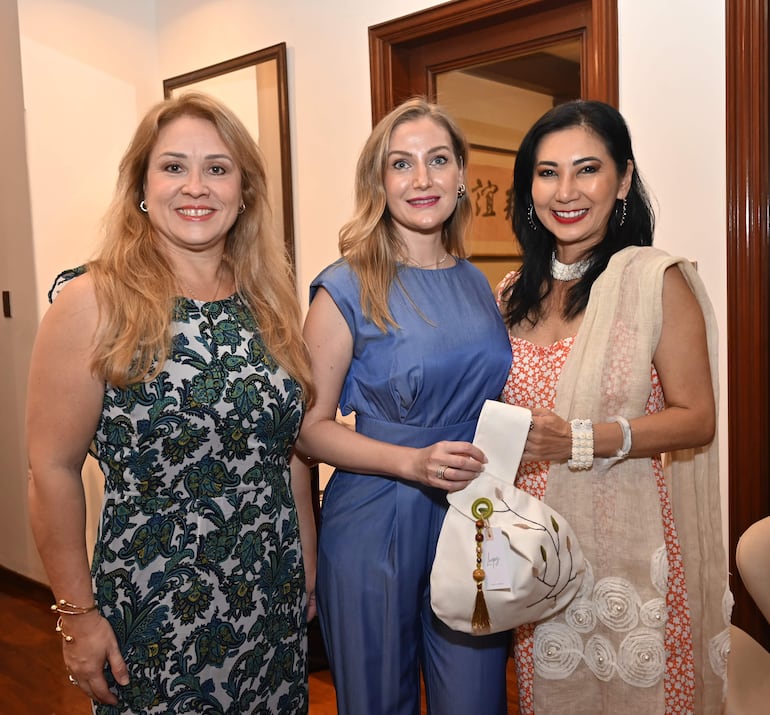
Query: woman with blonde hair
404, 332
175, 357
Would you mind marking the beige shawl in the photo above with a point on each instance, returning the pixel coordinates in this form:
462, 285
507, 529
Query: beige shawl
604, 654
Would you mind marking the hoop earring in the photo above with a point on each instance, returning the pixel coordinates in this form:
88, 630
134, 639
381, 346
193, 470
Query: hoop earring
622, 218
531, 217
241, 208
143, 206
460, 191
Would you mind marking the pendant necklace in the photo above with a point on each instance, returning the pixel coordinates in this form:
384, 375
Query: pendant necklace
186, 288
428, 265
568, 271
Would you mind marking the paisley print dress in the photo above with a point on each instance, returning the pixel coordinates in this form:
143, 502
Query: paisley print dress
197, 564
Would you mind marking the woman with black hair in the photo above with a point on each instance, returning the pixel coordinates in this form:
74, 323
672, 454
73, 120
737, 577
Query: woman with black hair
614, 351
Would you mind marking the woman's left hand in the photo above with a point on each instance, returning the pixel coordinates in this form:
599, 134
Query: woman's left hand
93, 644
449, 465
549, 438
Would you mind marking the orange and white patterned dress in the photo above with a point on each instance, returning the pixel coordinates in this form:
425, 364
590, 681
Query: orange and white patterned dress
532, 383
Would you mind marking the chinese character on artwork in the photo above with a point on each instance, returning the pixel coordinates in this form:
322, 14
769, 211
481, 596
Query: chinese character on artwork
484, 196
490, 175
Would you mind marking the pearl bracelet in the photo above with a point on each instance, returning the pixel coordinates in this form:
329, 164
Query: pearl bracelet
582, 445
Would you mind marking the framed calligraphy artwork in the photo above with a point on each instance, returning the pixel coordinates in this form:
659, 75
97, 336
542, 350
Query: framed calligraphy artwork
488, 182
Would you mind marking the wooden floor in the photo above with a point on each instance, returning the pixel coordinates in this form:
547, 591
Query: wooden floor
32, 676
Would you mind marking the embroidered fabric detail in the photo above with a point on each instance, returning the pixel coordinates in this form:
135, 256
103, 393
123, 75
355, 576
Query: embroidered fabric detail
659, 570
600, 657
653, 613
728, 601
719, 645
617, 604
581, 615
640, 661
719, 649
642, 658
558, 650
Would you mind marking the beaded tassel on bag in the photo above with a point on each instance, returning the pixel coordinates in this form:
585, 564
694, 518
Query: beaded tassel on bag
481, 509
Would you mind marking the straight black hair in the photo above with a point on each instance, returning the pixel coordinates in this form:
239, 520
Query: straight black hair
523, 299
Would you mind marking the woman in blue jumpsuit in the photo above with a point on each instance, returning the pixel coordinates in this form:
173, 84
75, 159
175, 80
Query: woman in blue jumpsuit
404, 332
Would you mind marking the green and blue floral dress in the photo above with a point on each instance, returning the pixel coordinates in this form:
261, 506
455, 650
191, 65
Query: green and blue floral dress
198, 565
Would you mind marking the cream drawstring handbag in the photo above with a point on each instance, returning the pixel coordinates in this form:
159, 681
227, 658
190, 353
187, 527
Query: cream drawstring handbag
503, 557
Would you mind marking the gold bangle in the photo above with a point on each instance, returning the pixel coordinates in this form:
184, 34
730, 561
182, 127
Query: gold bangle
70, 609
67, 638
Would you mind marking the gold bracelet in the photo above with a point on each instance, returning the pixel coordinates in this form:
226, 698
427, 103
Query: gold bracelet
70, 609
67, 638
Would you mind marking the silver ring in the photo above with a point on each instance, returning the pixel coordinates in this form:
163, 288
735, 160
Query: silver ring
531, 425
73, 680
440, 470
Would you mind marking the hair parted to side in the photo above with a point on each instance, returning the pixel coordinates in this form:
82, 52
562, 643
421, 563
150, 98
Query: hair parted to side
523, 298
370, 241
134, 282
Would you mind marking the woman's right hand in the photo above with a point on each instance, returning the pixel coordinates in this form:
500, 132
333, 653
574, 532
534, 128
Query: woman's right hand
93, 644
549, 437
448, 465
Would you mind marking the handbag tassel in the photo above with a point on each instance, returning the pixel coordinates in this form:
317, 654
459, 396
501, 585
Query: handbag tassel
480, 620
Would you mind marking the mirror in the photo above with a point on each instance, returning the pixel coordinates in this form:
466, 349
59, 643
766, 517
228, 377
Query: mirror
255, 87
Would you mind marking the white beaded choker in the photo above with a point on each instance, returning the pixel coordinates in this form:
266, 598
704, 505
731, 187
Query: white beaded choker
568, 271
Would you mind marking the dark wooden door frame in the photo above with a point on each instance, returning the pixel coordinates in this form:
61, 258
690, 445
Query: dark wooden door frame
390, 42
748, 213
748, 201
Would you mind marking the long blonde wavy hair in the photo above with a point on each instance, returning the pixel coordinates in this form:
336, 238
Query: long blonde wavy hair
135, 284
369, 241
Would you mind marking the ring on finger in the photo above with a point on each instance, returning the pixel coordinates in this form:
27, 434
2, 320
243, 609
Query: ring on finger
440, 470
73, 680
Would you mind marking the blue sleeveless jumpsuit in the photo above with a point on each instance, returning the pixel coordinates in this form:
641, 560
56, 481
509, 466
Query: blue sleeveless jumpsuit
421, 383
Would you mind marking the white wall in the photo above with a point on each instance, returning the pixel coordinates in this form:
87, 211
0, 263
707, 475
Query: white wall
89, 71
92, 67
17, 276
672, 93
